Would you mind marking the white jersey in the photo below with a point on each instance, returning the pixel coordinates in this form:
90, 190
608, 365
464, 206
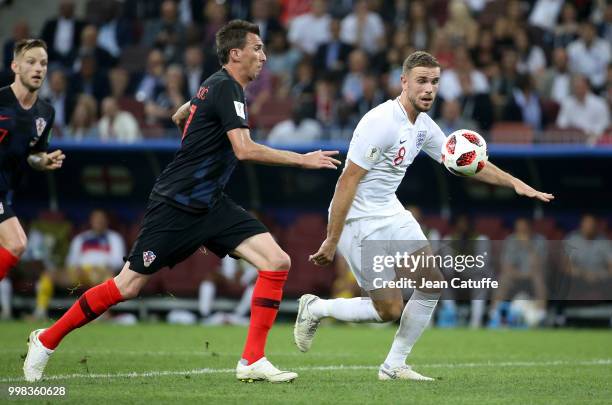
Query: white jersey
385, 143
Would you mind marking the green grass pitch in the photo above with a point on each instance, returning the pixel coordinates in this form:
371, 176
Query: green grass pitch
159, 363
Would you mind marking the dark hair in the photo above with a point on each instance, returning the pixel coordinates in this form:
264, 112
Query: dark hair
231, 36
26, 44
419, 59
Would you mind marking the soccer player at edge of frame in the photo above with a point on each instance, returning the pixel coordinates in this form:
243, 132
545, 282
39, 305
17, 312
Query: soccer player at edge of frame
25, 130
188, 209
384, 144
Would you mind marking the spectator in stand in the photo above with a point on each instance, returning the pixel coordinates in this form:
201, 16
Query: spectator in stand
523, 261
442, 49
194, 68
460, 28
215, 13
605, 27
261, 15
83, 120
116, 125
114, 32
331, 55
304, 81
119, 80
89, 47
590, 56
590, 257
21, 30
524, 104
62, 34
451, 120
532, 59
95, 255
299, 129
168, 98
62, 101
584, 111
470, 87
308, 31
371, 95
567, 29
555, 83
258, 93
420, 26
166, 33
281, 61
464, 240
503, 84
153, 76
485, 53
325, 100
363, 29
545, 13
90, 80
352, 86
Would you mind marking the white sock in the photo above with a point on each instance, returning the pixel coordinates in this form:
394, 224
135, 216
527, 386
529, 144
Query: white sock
478, 308
6, 295
345, 309
415, 318
243, 307
206, 297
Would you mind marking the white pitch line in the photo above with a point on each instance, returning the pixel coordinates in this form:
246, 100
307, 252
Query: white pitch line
197, 371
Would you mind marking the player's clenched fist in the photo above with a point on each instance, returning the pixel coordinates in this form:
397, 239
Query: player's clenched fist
325, 254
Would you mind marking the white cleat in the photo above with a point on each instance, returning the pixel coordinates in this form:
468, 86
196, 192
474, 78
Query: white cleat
305, 324
37, 358
404, 372
263, 370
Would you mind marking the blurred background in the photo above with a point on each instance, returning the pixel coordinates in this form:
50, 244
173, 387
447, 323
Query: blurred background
534, 77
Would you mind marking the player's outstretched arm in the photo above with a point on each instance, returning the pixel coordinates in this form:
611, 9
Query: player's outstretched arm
46, 161
180, 116
494, 175
246, 149
341, 203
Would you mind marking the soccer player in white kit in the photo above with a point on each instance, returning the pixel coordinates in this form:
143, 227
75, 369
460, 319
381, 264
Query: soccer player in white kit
365, 208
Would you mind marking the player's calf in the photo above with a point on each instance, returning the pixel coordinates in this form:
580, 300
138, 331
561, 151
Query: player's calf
389, 310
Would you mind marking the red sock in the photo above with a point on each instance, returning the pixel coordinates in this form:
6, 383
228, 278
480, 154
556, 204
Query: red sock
93, 303
7, 262
264, 307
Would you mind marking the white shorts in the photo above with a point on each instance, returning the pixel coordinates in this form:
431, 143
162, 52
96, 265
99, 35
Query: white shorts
401, 227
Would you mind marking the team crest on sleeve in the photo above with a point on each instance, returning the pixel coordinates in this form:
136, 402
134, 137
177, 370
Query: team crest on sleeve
148, 257
372, 153
41, 123
240, 109
421, 135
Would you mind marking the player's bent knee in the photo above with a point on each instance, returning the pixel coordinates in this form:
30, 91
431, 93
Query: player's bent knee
17, 246
279, 262
389, 311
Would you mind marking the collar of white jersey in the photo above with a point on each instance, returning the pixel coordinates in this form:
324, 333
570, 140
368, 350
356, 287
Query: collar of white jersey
403, 112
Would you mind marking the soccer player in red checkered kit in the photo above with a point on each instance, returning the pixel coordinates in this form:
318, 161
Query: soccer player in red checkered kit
188, 208
25, 130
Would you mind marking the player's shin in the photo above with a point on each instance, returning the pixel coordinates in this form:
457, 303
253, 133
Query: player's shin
415, 318
346, 309
93, 303
266, 300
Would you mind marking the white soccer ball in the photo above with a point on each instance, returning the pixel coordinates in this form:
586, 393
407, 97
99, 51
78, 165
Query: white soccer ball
464, 153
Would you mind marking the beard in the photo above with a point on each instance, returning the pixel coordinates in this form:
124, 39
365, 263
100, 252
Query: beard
419, 108
30, 86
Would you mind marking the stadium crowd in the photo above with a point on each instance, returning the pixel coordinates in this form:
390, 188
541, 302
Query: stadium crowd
519, 71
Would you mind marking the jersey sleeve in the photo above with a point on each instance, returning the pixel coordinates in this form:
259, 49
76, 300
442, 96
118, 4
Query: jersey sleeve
43, 142
230, 106
433, 144
370, 142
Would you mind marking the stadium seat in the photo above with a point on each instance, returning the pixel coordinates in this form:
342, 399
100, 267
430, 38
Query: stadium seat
272, 112
555, 134
511, 132
492, 227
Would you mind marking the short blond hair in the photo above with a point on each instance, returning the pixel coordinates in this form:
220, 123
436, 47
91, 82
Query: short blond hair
419, 59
